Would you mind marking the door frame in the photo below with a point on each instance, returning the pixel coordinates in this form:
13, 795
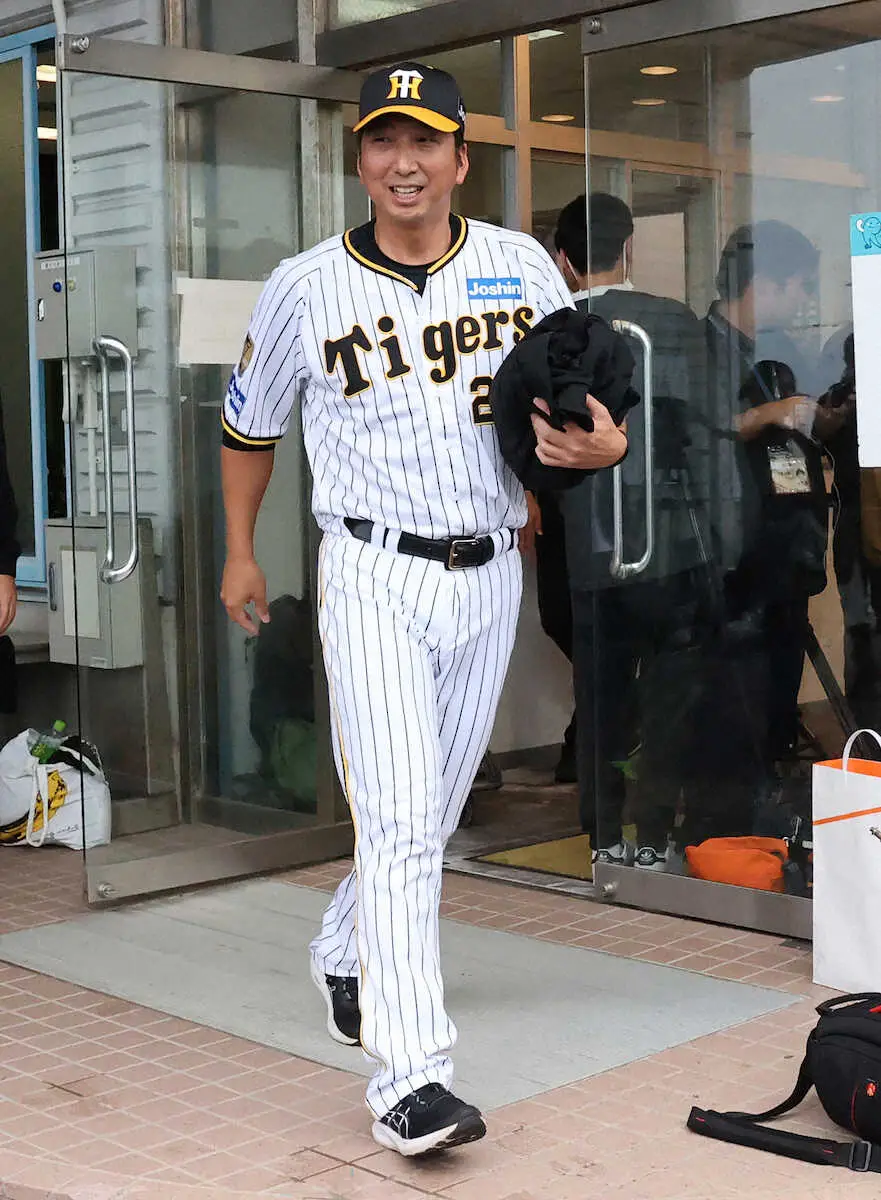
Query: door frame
718, 903
605, 25
233, 72
31, 568
662, 20
331, 835
787, 915
456, 23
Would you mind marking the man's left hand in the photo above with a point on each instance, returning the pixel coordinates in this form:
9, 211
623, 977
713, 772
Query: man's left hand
7, 602
573, 446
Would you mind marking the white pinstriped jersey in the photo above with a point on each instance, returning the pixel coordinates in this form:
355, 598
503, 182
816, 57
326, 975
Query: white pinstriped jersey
393, 384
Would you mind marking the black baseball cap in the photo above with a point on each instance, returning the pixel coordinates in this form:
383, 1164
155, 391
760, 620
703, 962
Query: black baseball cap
413, 90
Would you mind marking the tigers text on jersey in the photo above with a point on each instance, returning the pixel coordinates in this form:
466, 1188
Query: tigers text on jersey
393, 382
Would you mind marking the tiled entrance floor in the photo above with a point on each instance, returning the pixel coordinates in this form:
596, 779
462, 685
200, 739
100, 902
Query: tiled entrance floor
101, 1099
38, 887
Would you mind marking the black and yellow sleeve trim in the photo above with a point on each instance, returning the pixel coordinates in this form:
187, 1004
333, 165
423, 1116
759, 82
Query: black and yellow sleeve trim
239, 441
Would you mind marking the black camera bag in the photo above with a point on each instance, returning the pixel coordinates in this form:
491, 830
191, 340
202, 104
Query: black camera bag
843, 1062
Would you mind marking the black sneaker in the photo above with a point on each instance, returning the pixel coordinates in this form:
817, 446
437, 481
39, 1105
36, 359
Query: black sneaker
648, 858
340, 994
430, 1118
620, 855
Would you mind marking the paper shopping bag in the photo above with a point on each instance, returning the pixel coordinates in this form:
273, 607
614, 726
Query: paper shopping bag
847, 871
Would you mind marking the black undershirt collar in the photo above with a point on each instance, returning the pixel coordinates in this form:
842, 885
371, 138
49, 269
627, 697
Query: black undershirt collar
361, 244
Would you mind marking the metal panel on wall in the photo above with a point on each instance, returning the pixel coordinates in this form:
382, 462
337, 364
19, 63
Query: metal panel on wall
137, 19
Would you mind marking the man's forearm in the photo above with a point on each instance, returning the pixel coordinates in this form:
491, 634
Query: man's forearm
756, 420
245, 477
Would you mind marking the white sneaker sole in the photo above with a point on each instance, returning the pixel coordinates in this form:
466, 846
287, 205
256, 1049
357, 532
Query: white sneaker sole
332, 1028
472, 1129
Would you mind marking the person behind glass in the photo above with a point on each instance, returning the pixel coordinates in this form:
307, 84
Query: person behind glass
9, 552
769, 512
621, 629
554, 606
9, 547
545, 538
856, 542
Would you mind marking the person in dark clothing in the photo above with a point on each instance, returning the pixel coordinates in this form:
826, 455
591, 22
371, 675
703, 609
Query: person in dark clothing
554, 605
857, 571
9, 552
623, 627
611, 230
783, 559
768, 518
9, 547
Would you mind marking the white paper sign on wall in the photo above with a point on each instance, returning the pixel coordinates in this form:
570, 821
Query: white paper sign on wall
865, 249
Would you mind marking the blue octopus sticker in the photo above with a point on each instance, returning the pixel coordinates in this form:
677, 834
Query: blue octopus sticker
865, 234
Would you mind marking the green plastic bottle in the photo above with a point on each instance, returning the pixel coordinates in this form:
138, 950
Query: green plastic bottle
47, 743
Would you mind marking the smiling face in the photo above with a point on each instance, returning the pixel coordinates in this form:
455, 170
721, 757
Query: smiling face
410, 171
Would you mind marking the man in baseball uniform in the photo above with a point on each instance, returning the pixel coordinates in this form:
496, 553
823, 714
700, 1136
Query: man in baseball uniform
387, 339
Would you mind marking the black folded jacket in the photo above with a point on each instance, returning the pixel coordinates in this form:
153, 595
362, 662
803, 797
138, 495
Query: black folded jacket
560, 360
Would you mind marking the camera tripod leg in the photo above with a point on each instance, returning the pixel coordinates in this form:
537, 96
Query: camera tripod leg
828, 682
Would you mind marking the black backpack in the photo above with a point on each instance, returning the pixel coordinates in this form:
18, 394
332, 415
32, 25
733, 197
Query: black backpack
843, 1062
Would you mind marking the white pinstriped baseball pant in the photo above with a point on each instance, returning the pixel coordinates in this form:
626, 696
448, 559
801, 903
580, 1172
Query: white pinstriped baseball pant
416, 656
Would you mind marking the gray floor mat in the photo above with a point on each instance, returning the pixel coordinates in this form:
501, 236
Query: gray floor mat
531, 1015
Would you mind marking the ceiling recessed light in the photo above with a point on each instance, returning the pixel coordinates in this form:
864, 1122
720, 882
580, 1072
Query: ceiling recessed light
46, 73
658, 70
830, 99
46, 134
558, 118
538, 35
650, 102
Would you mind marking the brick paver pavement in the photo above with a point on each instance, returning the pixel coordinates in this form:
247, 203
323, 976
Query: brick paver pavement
104, 1100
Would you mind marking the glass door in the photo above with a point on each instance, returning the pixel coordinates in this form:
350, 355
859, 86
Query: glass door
179, 199
725, 581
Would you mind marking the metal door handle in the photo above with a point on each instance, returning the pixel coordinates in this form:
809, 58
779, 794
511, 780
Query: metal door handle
53, 595
109, 515
619, 568
105, 346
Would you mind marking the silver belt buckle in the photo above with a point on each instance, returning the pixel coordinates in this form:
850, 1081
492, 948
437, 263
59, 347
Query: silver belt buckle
456, 548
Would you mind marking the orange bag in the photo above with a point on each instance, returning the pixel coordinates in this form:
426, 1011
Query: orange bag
753, 862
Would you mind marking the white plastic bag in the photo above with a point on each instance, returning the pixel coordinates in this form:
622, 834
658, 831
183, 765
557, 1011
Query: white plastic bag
847, 871
54, 804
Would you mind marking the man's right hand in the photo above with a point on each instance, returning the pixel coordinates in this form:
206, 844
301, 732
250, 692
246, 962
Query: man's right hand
244, 583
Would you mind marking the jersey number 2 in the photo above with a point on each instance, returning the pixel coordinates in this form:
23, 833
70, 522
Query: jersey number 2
480, 406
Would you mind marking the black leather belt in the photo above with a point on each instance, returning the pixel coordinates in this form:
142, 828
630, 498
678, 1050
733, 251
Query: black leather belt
454, 553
